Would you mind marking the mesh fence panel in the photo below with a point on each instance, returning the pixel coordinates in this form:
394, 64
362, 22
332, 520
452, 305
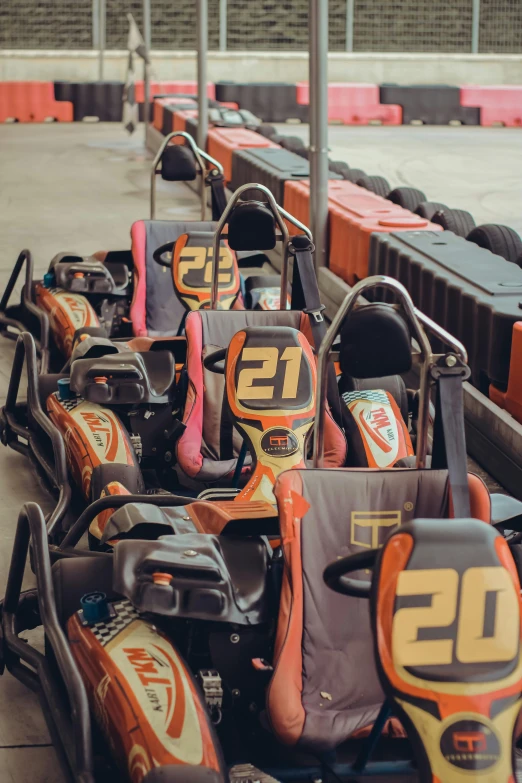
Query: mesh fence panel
412, 26
379, 25
501, 26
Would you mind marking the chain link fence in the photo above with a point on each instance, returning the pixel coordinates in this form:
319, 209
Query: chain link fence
355, 25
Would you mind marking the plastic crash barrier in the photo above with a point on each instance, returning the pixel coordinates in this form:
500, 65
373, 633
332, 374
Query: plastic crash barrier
511, 399
271, 101
161, 88
354, 104
429, 104
222, 143
472, 293
32, 102
354, 214
92, 99
271, 167
497, 104
165, 111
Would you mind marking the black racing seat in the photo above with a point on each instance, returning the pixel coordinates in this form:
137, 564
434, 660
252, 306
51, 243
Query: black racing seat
125, 378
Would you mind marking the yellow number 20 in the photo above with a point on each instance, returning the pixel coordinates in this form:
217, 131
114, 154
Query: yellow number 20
472, 646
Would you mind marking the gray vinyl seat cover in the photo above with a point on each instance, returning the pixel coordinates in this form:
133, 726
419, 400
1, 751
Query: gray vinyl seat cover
340, 692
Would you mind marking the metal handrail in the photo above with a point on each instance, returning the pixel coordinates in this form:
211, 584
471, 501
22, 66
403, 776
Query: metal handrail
415, 319
279, 213
200, 156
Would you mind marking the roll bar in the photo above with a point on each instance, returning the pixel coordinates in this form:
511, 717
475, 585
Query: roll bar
200, 156
416, 320
279, 213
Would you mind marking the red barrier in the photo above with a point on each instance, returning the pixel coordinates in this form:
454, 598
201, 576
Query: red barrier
158, 115
511, 399
354, 104
186, 88
354, 214
223, 142
498, 104
32, 102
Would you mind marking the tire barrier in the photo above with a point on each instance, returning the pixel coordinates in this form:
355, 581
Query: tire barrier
472, 293
501, 105
429, 104
271, 167
271, 101
354, 104
32, 102
354, 215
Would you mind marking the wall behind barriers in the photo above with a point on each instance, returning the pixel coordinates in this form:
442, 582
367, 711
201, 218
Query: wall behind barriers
457, 26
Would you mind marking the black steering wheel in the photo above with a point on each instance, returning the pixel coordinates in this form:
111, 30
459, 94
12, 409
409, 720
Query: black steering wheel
215, 361
335, 574
163, 254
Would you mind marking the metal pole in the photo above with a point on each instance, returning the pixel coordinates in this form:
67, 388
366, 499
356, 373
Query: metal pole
318, 25
102, 37
475, 27
146, 66
95, 24
223, 25
202, 43
349, 25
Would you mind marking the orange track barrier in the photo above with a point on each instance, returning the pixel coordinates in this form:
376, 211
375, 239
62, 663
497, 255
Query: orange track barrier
354, 214
32, 102
511, 399
223, 142
160, 88
181, 116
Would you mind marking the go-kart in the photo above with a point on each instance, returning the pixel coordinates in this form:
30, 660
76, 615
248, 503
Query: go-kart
119, 294
159, 657
111, 422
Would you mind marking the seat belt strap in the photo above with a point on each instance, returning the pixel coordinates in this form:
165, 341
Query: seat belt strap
306, 297
449, 440
218, 197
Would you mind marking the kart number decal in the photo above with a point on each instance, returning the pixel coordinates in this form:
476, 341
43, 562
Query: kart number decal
269, 358
477, 630
196, 258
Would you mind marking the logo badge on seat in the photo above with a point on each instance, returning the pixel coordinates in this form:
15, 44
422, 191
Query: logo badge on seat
470, 744
279, 442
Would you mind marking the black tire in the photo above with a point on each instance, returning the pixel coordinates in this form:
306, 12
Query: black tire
352, 175
409, 198
292, 143
428, 208
338, 166
519, 260
266, 130
501, 240
378, 185
457, 220
303, 152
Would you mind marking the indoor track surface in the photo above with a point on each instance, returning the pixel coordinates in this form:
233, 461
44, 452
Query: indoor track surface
79, 187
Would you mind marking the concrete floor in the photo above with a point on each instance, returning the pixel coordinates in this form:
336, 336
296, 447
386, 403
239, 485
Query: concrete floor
79, 187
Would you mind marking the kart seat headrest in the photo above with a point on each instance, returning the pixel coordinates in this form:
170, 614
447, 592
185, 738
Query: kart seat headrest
91, 347
251, 226
375, 342
125, 378
178, 164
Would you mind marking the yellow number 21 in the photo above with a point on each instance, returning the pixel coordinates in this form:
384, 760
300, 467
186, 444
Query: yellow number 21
269, 358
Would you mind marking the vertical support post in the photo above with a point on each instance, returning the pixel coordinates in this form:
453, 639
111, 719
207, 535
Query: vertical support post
223, 25
102, 37
475, 27
146, 65
318, 66
95, 24
349, 25
202, 40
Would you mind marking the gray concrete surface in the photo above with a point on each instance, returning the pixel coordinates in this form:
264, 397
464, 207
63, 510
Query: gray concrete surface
79, 187
274, 66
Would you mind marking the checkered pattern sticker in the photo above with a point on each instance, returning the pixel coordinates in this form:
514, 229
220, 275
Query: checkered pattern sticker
69, 405
372, 395
108, 629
